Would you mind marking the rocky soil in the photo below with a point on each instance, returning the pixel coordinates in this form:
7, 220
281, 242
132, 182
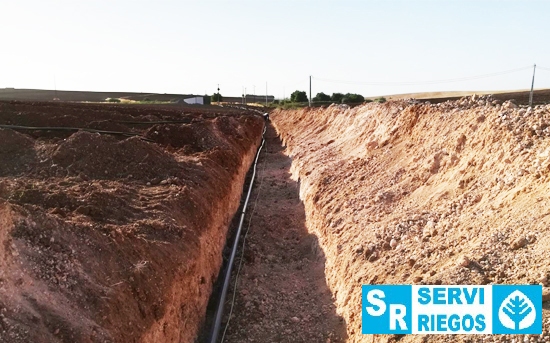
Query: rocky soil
111, 237
417, 193
282, 295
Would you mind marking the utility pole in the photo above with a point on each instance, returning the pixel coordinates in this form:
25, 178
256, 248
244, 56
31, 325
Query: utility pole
532, 85
54, 87
309, 90
219, 96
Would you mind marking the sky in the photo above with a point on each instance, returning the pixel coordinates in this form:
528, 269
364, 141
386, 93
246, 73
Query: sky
366, 47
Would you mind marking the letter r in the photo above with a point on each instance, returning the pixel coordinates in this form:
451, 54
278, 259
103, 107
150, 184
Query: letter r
397, 314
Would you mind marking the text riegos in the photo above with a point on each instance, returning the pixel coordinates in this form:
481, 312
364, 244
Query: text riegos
460, 309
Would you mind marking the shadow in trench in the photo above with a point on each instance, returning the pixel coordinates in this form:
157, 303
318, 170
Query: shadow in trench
282, 295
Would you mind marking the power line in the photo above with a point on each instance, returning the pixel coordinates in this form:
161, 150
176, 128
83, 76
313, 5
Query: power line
293, 84
547, 69
426, 82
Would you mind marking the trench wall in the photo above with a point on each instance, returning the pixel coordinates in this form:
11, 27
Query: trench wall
114, 239
416, 193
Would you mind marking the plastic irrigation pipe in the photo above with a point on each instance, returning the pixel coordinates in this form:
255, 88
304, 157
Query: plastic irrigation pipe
227, 276
62, 128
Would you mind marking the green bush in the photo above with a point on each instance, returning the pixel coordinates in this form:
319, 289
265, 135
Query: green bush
380, 99
337, 97
298, 96
112, 100
321, 97
216, 97
351, 98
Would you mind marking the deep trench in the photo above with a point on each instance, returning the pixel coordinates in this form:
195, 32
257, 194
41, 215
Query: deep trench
281, 294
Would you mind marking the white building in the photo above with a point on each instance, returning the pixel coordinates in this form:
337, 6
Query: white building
197, 100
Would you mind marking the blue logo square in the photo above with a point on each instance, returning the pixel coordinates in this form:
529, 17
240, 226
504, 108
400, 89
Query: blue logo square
517, 309
386, 309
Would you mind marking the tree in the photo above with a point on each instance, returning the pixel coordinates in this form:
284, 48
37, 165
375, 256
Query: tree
321, 97
351, 98
216, 97
298, 96
337, 97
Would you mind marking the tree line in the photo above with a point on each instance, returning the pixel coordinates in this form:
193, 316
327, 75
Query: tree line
301, 97
339, 98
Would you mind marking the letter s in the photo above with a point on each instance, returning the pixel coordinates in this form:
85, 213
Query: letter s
480, 322
424, 294
375, 297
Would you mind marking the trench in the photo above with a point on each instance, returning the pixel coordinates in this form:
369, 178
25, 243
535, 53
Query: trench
113, 239
278, 290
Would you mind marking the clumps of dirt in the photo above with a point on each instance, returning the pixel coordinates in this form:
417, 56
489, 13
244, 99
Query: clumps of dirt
92, 155
109, 125
408, 192
113, 239
16, 152
179, 137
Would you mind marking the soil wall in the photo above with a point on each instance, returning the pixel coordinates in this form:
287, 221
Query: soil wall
105, 238
413, 193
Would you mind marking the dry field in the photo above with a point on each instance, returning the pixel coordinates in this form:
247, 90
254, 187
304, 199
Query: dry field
520, 97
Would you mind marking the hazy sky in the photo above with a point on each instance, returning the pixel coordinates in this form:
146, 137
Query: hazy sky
191, 46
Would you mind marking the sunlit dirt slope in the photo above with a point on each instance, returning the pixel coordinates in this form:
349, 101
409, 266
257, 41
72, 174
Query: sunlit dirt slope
413, 193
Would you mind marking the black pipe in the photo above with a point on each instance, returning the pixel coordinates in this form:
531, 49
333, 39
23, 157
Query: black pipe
63, 128
227, 276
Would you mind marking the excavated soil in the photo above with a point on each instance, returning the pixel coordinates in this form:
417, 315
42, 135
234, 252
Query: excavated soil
282, 295
115, 238
416, 193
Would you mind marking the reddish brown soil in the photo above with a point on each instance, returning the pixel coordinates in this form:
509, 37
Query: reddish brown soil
282, 295
107, 238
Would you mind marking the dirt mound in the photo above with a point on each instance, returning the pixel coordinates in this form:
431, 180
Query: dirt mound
415, 193
104, 157
112, 239
108, 125
16, 152
191, 138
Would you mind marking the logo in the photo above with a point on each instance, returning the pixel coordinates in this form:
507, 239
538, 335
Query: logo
517, 309
468, 309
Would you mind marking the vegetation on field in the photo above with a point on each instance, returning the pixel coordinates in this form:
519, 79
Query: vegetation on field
216, 97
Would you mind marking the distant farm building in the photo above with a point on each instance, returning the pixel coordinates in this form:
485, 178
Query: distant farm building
196, 100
